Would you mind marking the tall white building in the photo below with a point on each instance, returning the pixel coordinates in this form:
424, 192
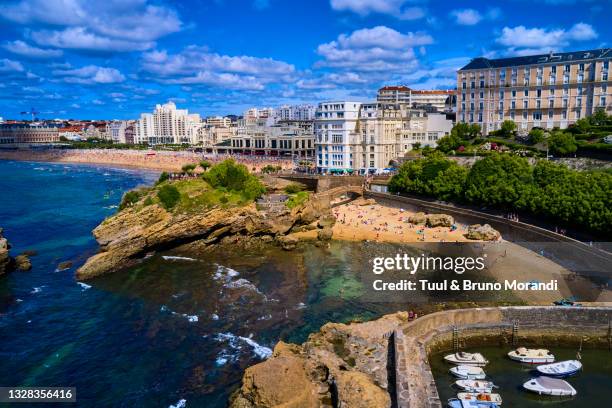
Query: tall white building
335, 124
168, 125
295, 112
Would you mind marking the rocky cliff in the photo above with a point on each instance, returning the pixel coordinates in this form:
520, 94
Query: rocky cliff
5, 259
135, 231
341, 365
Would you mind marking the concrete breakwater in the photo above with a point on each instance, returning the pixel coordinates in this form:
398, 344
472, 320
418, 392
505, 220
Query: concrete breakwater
413, 342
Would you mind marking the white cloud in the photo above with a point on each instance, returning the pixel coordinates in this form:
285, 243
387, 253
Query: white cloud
372, 49
7, 65
521, 40
197, 65
90, 74
112, 26
21, 48
79, 38
390, 7
466, 16
97, 102
75, 106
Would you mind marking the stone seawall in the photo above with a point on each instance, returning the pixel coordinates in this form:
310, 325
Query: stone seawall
415, 387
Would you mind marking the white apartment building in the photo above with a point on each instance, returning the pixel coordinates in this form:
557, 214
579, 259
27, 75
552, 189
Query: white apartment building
120, 131
168, 125
335, 133
218, 121
366, 137
295, 112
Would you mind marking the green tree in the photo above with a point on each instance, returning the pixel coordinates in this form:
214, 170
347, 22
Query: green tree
416, 146
205, 165
163, 177
188, 168
507, 128
583, 125
168, 196
536, 136
562, 143
234, 177
129, 199
599, 118
449, 143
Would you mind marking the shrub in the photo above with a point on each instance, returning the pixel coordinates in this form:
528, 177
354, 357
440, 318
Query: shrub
234, 177
169, 196
562, 143
297, 199
536, 136
129, 199
188, 168
205, 165
163, 177
293, 188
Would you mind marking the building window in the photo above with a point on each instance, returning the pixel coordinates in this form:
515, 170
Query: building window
567, 68
525, 103
463, 85
514, 93
482, 84
602, 101
513, 105
564, 114
550, 114
526, 92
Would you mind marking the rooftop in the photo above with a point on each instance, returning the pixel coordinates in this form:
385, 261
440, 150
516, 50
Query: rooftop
481, 62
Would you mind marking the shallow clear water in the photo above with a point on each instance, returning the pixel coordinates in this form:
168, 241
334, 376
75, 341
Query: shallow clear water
168, 329
592, 383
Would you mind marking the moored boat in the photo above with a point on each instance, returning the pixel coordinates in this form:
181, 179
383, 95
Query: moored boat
475, 385
457, 403
480, 397
468, 372
549, 386
560, 369
531, 356
462, 358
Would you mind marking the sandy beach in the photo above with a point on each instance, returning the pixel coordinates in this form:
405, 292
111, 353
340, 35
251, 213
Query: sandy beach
144, 159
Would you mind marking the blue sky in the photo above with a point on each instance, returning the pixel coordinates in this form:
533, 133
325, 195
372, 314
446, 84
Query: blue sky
113, 59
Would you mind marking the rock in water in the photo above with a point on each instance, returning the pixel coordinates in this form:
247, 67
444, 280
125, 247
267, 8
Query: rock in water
288, 242
23, 263
64, 265
5, 259
325, 234
439, 220
418, 219
482, 233
326, 221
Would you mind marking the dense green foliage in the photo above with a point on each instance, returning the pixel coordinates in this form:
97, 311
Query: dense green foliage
188, 168
297, 199
234, 177
536, 135
205, 165
508, 182
168, 196
562, 143
129, 199
293, 188
163, 177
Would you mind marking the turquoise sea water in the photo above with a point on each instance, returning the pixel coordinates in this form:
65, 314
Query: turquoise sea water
170, 328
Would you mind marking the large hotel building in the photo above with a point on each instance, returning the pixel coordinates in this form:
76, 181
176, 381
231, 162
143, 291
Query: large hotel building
550, 90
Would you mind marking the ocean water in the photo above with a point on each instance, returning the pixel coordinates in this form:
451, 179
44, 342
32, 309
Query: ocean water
176, 327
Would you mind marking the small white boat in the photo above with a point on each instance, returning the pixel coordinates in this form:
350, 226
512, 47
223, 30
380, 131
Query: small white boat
468, 372
480, 397
462, 358
475, 385
531, 356
560, 369
549, 386
457, 403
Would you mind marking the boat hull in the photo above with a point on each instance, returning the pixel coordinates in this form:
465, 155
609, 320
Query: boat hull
561, 369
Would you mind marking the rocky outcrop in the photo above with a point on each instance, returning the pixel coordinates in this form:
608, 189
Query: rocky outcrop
23, 263
130, 234
439, 220
431, 220
341, 365
5, 259
325, 234
368, 201
482, 233
419, 218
